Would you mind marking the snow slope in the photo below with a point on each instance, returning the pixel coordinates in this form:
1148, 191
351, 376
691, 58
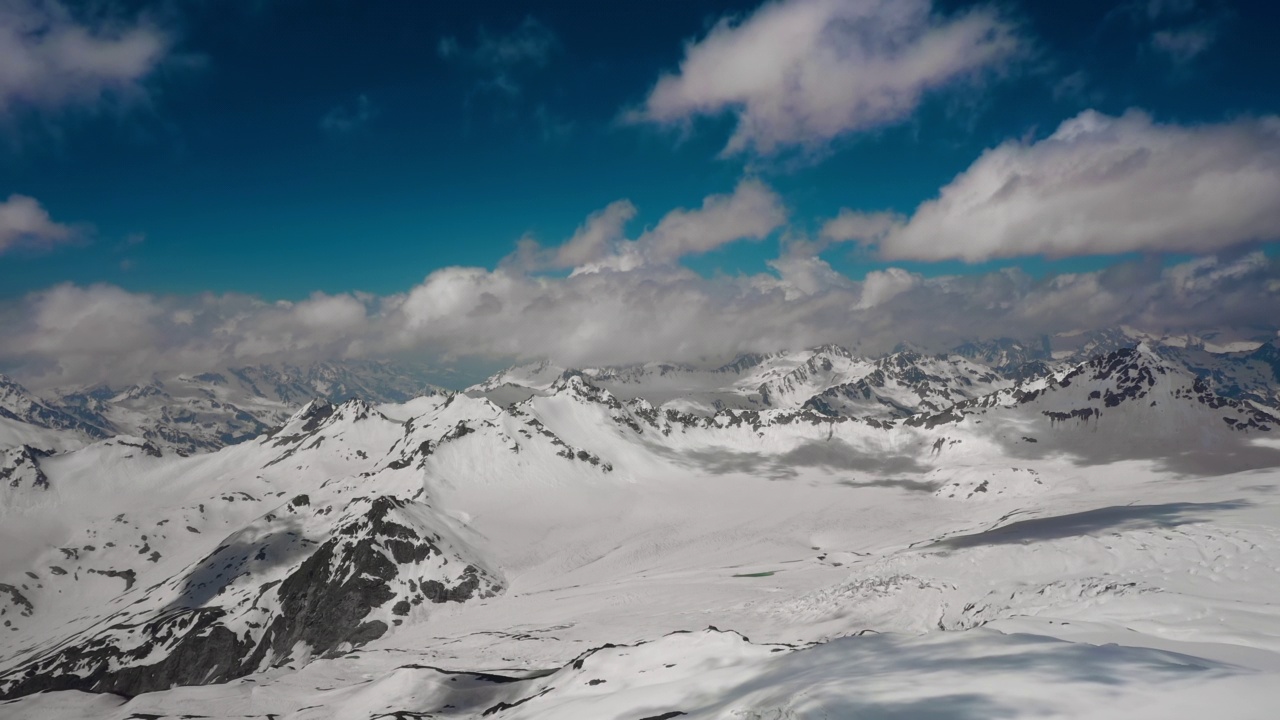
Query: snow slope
1100, 541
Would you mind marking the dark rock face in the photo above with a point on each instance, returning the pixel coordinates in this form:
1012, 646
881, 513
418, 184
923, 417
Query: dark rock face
21, 466
201, 648
325, 601
16, 601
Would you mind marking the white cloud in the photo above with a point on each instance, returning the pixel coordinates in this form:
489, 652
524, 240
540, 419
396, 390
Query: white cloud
803, 72
343, 119
880, 286
23, 222
51, 59
850, 225
751, 212
1099, 185
602, 231
70, 334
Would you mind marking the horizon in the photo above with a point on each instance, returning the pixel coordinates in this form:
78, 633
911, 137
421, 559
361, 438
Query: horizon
506, 182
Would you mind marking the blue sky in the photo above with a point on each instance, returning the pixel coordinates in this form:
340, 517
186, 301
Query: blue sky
228, 176
277, 149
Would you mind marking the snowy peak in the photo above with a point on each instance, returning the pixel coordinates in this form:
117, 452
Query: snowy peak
20, 405
20, 469
537, 375
577, 385
307, 419
908, 382
1135, 391
308, 579
810, 372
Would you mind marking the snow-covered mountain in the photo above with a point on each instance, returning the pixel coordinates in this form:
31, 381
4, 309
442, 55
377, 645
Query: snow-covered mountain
906, 383
23, 416
192, 413
556, 543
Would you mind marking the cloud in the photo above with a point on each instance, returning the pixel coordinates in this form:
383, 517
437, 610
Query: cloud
673, 314
342, 119
50, 59
25, 223
850, 225
1184, 45
502, 59
595, 238
751, 212
69, 334
804, 72
1098, 185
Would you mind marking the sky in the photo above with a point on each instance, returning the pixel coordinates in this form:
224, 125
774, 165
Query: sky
191, 184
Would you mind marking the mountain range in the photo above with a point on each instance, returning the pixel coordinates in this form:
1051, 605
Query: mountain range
655, 540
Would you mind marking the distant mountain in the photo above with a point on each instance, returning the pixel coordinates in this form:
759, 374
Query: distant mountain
19, 405
1132, 403
193, 413
347, 523
906, 383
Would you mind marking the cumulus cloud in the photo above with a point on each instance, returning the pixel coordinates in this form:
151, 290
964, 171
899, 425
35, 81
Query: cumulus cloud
751, 212
803, 72
850, 225
50, 58
602, 231
1098, 185
25, 223
71, 334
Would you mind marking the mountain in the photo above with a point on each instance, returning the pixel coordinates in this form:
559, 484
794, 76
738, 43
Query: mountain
243, 576
906, 383
193, 413
555, 543
1125, 384
1007, 356
23, 417
293, 385
893, 386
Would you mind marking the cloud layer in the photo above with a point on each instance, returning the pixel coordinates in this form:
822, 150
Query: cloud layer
1098, 185
803, 72
50, 59
70, 334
